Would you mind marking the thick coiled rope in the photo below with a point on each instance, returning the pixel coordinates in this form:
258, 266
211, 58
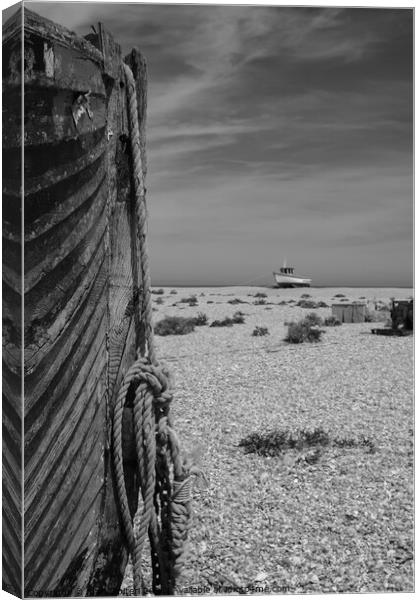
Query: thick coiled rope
164, 504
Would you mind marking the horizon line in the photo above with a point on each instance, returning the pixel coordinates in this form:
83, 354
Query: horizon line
192, 285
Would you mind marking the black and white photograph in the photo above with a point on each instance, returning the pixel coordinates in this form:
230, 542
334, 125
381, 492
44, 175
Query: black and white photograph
208, 299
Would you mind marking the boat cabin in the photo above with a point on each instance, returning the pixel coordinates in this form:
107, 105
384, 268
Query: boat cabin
287, 270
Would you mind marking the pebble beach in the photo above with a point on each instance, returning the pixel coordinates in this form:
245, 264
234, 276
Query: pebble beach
336, 518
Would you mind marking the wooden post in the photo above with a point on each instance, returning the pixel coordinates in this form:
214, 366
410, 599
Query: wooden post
126, 329
138, 65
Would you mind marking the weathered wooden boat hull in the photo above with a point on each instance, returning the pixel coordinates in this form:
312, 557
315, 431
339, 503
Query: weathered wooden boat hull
80, 282
12, 413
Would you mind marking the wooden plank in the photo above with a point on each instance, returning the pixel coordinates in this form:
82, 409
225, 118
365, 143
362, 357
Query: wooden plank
42, 82
45, 574
66, 280
13, 489
66, 472
12, 256
109, 565
120, 290
110, 50
46, 158
66, 201
73, 237
49, 119
63, 208
12, 354
71, 455
68, 391
12, 28
12, 187
53, 63
41, 463
64, 479
12, 216
42, 27
42, 336
11, 550
71, 345
12, 309
12, 427
12, 331
12, 389
13, 523
12, 504
71, 71
61, 239
111, 560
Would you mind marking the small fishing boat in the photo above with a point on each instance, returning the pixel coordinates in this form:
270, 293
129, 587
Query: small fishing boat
286, 278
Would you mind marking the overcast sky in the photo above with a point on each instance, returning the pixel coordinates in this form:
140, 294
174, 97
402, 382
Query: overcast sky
273, 132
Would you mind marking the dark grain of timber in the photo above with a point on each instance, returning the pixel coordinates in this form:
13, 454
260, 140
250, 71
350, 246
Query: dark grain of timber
70, 349
12, 401
35, 184
65, 235
77, 236
82, 273
65, 477
46, 209
48, 446
51, 120
48, 316
62, 480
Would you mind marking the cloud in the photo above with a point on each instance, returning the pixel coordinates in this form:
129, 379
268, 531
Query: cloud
272, 126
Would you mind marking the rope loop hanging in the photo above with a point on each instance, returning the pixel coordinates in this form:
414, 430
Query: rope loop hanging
164, 503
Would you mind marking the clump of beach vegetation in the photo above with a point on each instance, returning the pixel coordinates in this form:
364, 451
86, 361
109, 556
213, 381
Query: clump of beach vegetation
278, 442
201, 319
260, 331
303, 331
237, 319
174, 326
332, 321
191, 300
307, 303
313, 320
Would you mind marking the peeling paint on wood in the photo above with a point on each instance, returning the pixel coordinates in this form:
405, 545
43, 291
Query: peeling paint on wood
49, 59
